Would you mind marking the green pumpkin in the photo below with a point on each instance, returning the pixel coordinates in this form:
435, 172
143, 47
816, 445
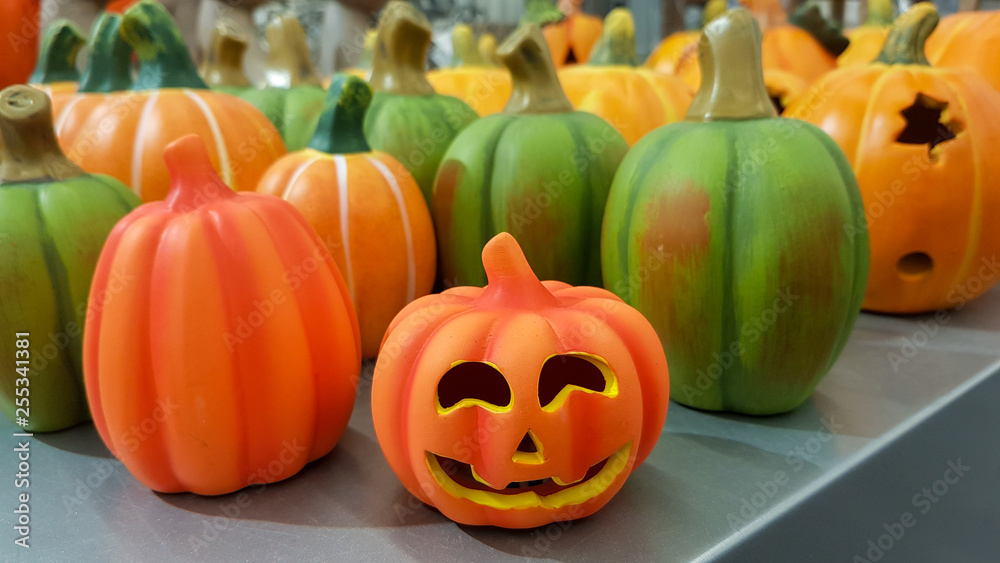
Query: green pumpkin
54, 220
406, 118
729, 232
539, 170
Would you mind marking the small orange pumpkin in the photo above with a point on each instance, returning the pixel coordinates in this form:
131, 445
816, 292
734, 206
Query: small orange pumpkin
573, 38
365, 206
520, 403
483, 85
867, 40
968, 40
796, 47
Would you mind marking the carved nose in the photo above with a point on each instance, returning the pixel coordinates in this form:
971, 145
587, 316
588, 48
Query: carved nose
527, 444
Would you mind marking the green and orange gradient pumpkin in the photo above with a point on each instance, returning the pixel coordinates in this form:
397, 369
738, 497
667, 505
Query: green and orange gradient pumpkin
521, 403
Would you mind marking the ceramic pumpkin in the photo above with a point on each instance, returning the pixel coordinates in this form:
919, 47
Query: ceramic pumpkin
56, 73
806, 46
20, 21
866, 41
539, 170
222, 68
521, 403
124, 135
572, 38
969, 40
914, 134
634, 100
407, 119
365, 207
783, 87
54, 219
235, 333
485, 87
726, 231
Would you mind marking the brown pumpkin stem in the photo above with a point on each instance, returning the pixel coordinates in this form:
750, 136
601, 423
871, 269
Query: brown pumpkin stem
510, 278
536, 87
617, 44
224, 64
193, 180
732, 76
289, 62
404, 36
488, 50
465, 52
879, 13
905, 43
30, 150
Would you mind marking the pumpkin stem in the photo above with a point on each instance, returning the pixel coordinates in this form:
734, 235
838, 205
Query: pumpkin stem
57, 60
224, 64
463, 44
193, 180
163, 57
30, 150
713, 9
109, 68
289, 62
536, 87
488, 50
510, 278
617, 44
905, 43
341, 125
879, 13
368, 52
809, 18
404, 36
732, 76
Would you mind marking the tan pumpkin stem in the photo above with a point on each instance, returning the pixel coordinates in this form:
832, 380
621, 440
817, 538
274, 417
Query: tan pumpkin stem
732, 83
289, 62
536, 87
510, 277
30, 150
617, 44
224, 64
905, 43
488, 50
463, 44
404, 36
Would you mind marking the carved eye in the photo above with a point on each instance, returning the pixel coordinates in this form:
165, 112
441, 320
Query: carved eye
565, 373
469, 384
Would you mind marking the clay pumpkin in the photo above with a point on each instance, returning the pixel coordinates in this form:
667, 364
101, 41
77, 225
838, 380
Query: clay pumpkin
867, 40
493, 406
235, 333
539, 170
407, 118
634, 100
56, 73
572, 39
20, 21
969, 40
54, 219
222, 68
365, 207
914, 135
124, 135
484, 87
726, 231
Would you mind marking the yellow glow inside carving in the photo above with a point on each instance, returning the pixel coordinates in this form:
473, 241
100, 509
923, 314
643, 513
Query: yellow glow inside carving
610, 381
465, 403
531, 458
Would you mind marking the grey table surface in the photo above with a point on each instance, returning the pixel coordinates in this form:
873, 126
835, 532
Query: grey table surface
832, 481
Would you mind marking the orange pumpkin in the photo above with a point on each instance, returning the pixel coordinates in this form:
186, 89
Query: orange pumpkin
867, 40
520, 403
634, 100
56, 73
968, 40
795, 46
230, 354
20, 21
484, 86
365, 206
124, 135
783, 87
915, 135
572, 39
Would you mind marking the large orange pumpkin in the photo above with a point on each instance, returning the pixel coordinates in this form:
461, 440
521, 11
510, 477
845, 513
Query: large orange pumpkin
968, 40
916, 137
20, 23
56, 73
124, 135
634, 100
867, 40
520, 403
365, 206
573, 38
221, 349
483, 85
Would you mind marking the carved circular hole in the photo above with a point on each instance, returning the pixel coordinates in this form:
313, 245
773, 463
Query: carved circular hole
915, 265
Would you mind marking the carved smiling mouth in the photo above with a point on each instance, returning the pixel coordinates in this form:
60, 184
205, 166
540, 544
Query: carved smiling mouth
460, 480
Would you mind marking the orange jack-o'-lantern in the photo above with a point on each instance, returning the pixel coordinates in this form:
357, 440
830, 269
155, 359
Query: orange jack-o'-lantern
520, 403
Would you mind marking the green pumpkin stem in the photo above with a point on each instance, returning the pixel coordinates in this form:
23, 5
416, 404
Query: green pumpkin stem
488, 50
404, 36
510, 279
30, 151
223, 66
809, 18
732, 75
617, 44
289, 62
57, 59
536, 87
879, 13
465, 52
109, 68
164, 59
905, 43
341, 125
